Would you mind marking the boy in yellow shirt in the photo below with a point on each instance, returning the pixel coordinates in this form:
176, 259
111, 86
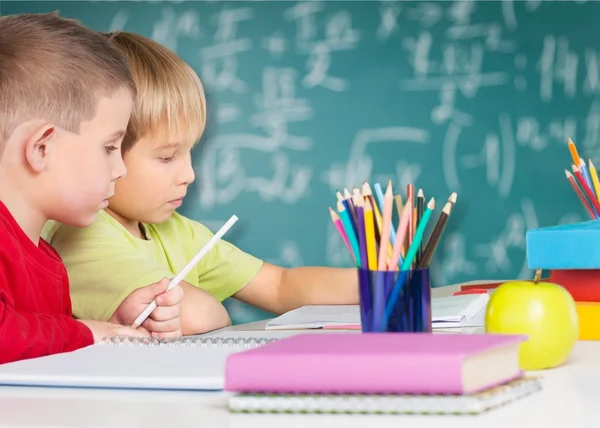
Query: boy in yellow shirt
140, 237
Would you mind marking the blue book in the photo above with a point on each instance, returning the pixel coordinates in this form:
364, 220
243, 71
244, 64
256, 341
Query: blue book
567, 246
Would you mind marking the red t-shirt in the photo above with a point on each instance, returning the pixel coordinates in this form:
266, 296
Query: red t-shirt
35, 306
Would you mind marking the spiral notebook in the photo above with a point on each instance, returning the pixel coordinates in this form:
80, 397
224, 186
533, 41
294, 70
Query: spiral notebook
187, 363
386, 404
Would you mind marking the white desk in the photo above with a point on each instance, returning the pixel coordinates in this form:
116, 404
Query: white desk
565, 401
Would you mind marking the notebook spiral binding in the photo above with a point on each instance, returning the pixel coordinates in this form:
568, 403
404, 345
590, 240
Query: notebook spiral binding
189, 341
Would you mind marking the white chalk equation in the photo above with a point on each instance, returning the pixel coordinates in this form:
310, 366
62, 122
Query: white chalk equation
361, 165
224, 172
467, 93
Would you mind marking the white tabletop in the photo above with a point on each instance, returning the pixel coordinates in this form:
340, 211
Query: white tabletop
566, 400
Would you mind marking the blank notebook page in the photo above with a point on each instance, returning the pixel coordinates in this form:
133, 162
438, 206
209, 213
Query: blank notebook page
125, 366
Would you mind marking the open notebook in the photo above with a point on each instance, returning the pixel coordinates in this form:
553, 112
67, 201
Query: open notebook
188, 363
466, 310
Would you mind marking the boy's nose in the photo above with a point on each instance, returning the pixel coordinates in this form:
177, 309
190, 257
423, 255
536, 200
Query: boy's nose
119, 169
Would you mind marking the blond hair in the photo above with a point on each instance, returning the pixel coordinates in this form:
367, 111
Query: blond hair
170, 100
54, 69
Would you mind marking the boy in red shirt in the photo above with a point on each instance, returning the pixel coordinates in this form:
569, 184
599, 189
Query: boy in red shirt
65, 101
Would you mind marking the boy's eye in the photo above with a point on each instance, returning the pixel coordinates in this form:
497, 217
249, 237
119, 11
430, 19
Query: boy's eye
169, 159
110, 149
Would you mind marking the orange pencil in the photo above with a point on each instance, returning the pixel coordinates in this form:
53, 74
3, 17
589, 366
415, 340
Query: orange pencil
574, 154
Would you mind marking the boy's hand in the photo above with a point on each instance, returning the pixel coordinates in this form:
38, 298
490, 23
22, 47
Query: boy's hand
165, 320
101, 329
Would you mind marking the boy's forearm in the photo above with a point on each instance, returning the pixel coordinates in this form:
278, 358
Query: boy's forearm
201, 312
303, 286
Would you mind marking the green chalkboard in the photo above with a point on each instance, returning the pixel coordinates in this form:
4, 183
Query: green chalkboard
306, 98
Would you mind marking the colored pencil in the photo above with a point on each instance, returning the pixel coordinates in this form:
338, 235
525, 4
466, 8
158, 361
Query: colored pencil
337, 221
574, 153
436, 234
384, 244
400, 235
410, 200
453, 197
368, 193
399, 206
370, 235
348, 204
587, 191
587, 177
580, 195
595, 181
350, 232
362, 237
420, 206
380, 200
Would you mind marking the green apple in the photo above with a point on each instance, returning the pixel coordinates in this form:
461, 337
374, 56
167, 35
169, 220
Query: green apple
544, 311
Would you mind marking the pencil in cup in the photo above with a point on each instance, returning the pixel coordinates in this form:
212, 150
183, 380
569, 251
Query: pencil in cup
350, 231
187, 268
411, 312
381, 199
395, 294
337, 222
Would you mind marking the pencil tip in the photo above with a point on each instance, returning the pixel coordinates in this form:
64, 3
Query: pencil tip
568, 174
591, 164
453, 197
571, 141
431, 204
346, 193
388, 191
420, 193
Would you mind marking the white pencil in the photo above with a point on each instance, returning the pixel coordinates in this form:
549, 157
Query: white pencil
203, 251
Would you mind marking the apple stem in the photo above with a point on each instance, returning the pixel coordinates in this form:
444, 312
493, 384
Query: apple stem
538, 275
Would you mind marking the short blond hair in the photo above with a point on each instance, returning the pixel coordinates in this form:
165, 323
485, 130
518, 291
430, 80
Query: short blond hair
170, 96
55, 69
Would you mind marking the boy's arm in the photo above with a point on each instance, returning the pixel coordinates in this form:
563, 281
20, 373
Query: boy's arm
28, 335
200, 311
278, 290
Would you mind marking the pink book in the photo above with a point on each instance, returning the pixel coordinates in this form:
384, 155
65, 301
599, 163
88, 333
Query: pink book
376, 363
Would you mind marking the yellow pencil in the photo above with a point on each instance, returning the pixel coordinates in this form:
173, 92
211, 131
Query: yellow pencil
370, 236
594, 175
368, 193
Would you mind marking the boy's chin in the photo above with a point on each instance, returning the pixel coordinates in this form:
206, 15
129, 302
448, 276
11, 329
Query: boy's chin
81, 220
161, 217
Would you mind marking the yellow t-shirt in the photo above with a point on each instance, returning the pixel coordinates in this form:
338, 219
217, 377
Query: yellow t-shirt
106, 263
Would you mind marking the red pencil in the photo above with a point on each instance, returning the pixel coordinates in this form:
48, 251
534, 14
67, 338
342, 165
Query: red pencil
589, 192
584, 202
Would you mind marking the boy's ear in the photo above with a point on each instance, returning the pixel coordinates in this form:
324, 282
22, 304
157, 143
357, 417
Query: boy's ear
38, 146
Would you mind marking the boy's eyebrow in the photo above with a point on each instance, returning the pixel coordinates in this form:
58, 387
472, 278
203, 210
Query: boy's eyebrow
115, 135
167, 146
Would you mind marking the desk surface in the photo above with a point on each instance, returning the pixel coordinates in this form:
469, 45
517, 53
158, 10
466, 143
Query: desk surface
566, 400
